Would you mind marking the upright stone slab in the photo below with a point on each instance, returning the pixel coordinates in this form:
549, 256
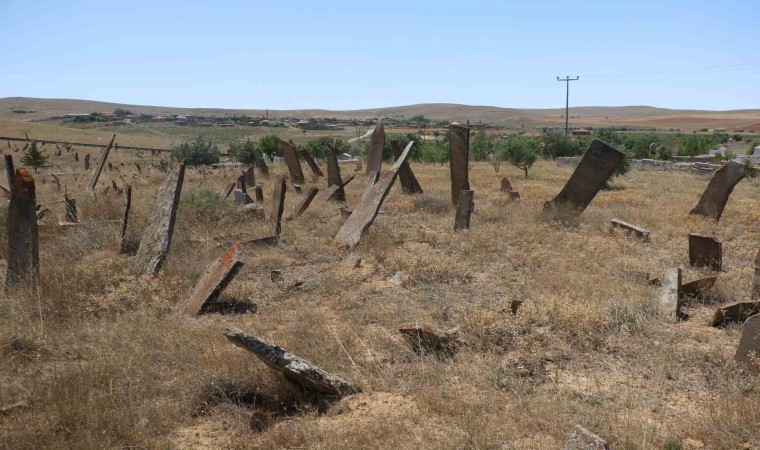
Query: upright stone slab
95, 176
213, 281
250, 178
70, 205
670, 295
261, 164
376, 144
715, 197
241, 183
465, 205
291, 159
293, 368
409, 183
311, 163
459, 158
506, 186
705, 251
21, 227
333, 174
87, 162
595, 169
125, 246
756, 282
9, 170
278, 205
306, 201
259, 192
157, 237
360, 220
748, 352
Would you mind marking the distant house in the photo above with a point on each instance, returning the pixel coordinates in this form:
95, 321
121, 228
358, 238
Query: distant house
581, 131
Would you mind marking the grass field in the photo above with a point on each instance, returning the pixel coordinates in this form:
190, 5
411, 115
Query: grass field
102, 358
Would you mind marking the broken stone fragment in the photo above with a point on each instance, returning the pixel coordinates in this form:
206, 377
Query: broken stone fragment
641, 233
715, 197
748, 352
698, 287
424, 339
583, 439
213, 281
735, 312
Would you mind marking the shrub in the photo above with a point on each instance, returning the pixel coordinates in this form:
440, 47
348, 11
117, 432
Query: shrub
557, 145
433, 152
200, 151
270, 144
519, 151
481, 146
243, 151
320, 146
403, 140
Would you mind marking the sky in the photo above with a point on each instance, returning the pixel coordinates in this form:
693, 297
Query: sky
351, 55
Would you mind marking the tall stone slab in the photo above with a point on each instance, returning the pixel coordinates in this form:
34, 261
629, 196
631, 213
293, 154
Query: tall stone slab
409, 183
250, 178
306, 201
333, 174
21, 227
213, 281
9, 170
465, 206
376, 144
596, 167
124, 244
291, 159
459, 158
311, 163
95, 176
670, 295
705, 251
360, 220
157, 237
748, 352
715, 197
87, 162
261, 164
278, 206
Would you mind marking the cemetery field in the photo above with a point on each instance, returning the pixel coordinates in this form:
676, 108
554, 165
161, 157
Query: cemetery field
102, 357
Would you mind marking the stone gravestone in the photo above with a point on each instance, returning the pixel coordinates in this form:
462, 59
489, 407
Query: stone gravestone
157, 237
21, 227
213, 281
95, 176
9, 170
361, 219
329, 193
278, 206
261, 164
506, 186
748, 352
596, 167
735, 312
641, 233
311, 163
409, 183
459, 157
705, 251
715, 197
125, 246
291, 159
756, 282
376, 144
583, 439
670, 294
87, 162
250, 178
333, 174
306, 201
70, 205
465, 205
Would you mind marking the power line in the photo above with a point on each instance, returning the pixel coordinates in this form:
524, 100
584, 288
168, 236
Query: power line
703, 70
567, 81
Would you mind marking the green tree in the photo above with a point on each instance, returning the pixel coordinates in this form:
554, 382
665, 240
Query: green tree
243, 151
33, 157
320, 146
481, 146
270, 144
557, 145
521, 152
200, 151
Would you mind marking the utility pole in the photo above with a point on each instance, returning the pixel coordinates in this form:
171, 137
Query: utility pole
567, 81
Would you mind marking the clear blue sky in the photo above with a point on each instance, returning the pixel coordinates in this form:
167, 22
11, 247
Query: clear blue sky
349, 54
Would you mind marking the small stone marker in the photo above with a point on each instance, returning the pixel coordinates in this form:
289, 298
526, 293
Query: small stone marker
126, 247
409, 183
424, 339
306, 201
698, 287
506, 186
76, 157
261, 164
259, 191
756, 282
21, 227
360, 220
583, 439
670, 294
250, 178
465, 205
715, 197
748, 352
278, 206
514, 196
293, 368
157, 237
9, 170
291, 159
87, 162
459, 157
641, 233
333, 174
735, 312
311, 163
94, 179
213, 281
596, 167
376, 144
705, 251
71, 209
241, 183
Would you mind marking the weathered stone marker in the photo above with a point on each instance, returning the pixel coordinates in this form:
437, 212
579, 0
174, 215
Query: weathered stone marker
670, 295
371, 180
409, 183
360, 220
715, 197
333, 174
596, 167
376, 144
641, 233
465, 206
583, 439
425, 339
21, 226
514, 196
330, 192
70, 205
241, 183
748, 353
459, 157
698, 287
94, 179
306, 201
157, 237
506, 186
278, 206
756, 282
735, 312
705, 251
9, 170
293, 368
261, 164
311, 163
87, 162
230, 188
259, 191
213, 281
125, 247
291, 159
250, 178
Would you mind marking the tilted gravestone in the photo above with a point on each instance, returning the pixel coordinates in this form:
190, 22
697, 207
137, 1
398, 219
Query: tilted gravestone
95, 176
306, 201
409, 183
213, 281
278, 206
756, 282
459, 157
360, 220
125, 247
333, 174
21, 227
157, 237
261, 164
596, 167
722, 183
465, 205
291, 159
670, 295
748, 352
735, 312
9, 170
311, 163
376, 144
250, 178
705, 251
329, 193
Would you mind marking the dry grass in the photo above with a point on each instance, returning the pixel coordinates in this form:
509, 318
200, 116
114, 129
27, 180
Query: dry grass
104, 359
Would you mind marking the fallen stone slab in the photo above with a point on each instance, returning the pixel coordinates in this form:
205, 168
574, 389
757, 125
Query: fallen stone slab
705, 251
583, 439
305, 202
715, 196
213, 281
364, 214
371, 180
670, 295
23, 269
735, 312
409, 183
595, 169
376, 144
459, 158
641, 233
514, 196
748, 351
698, 287
293, 368
465, 206
330, 193
425, 339
291, 160
95, 176
311, 163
